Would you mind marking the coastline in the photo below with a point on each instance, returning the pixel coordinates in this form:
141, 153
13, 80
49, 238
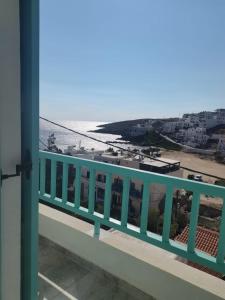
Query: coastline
205, 163
150, 139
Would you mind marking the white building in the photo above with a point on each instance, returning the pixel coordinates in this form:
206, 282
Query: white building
220, 116
156, 191
170, 127
193, 136
191, 119
206, 119
221, 145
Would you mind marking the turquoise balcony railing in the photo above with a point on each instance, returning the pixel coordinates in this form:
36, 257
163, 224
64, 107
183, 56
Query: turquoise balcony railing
51, 164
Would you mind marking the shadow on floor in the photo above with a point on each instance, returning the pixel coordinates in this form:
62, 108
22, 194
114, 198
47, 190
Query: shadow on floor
64, 276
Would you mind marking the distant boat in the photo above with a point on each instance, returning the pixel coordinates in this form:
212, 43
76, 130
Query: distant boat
71, 150
52, 145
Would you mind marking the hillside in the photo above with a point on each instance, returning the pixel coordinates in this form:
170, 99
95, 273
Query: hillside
121, 127
152, 138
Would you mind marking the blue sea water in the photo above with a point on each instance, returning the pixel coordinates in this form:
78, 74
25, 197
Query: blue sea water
65, 138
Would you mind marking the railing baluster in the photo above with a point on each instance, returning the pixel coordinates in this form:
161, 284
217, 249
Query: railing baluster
193, 221
144, 208
42, 175
108, 195
77, 186
167, 214
65, 183
125, 201
53, 179
91, 193
221, 244
97, 228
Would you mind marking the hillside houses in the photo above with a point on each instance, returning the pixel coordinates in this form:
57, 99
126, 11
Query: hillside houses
192, 129
206, 119
192, 136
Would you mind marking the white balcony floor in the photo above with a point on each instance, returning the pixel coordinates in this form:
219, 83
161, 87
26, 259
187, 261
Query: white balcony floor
64, 276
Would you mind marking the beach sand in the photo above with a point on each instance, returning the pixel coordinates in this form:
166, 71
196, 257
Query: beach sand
197, 162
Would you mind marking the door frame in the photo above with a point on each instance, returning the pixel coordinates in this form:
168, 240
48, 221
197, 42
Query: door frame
29, 58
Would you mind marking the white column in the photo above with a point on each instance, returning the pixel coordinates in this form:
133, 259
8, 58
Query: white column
10, 144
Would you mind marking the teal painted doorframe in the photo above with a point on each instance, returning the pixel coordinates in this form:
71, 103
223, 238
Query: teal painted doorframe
29, 51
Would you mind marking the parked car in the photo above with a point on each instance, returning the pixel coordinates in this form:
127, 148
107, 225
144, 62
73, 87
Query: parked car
196, 177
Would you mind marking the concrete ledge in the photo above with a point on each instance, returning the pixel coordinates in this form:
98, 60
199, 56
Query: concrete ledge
150, 269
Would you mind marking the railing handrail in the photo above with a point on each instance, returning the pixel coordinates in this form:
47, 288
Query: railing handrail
202, 187
163, 241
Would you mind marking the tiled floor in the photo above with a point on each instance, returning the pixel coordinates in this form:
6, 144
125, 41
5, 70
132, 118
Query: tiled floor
64, 276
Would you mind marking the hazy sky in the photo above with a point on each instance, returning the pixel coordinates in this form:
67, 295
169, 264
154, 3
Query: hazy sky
108, 60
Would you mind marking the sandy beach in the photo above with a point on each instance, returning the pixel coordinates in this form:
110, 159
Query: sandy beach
197, 162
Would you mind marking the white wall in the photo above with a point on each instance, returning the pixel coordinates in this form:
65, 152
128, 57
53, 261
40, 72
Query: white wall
10, 147
146, 267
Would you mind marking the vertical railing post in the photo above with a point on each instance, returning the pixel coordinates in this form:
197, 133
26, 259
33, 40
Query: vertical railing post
167, 214
125, 201
65, 183
144, 208
97, 227
221, 244
77, 186
193, 221
42, 176
53, 179
108, 195
91, 192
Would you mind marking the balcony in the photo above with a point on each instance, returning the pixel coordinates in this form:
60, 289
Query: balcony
64, 275
130, 253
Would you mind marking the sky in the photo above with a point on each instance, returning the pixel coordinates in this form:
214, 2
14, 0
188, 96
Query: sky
110, 60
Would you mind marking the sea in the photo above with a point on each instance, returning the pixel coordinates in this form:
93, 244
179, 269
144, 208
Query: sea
65, 138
